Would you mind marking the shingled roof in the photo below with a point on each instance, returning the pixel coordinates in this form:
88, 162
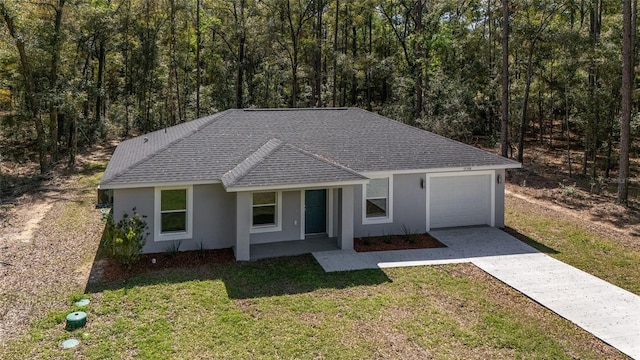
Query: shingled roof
307, 145
276, 163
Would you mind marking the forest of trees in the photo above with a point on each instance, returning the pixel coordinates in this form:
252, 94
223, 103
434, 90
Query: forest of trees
77, 71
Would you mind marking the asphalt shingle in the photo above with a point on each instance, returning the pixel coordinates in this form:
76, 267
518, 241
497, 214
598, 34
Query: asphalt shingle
276, 163
207, 148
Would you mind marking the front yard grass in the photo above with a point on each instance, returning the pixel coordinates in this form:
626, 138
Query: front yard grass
289, 308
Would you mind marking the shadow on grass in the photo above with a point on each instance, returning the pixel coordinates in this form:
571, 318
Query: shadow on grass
243, 280
529, 241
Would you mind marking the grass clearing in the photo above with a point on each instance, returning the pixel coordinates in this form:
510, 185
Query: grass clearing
290, 308
286, 308
569, 240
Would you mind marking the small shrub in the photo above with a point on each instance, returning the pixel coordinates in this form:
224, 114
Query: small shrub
124, 240
409, 235
202, 251
174, 249
570, 191
386, 238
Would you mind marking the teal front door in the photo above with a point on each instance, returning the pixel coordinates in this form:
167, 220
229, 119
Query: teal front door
315, 215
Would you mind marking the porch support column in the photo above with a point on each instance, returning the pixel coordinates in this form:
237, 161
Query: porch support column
243, 218
345, 241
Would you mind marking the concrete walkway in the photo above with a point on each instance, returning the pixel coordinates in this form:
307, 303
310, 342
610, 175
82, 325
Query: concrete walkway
610, 313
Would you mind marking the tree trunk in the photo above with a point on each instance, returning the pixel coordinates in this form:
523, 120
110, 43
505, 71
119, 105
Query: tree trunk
174, 84
628, 39
610, 135
566, 120
53, 83
242, 37
504, 108
418, 63
73, 141
198, 45
240, 75
354, 53
317, 58
335, 55
369, 71
102, 57
525, 102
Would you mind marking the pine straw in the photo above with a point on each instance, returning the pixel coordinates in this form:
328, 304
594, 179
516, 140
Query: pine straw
48, 240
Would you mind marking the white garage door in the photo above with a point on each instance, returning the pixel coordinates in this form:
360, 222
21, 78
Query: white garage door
459, 200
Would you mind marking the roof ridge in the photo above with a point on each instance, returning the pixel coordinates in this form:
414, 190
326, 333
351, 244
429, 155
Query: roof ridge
295, 109
324, 159
213, 119
236, 174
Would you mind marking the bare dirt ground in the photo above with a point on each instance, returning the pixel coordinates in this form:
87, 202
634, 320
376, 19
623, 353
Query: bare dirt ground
49, 232
545, 181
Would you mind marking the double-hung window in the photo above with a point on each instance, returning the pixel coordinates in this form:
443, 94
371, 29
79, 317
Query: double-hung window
265, 211
173, 213
377, 201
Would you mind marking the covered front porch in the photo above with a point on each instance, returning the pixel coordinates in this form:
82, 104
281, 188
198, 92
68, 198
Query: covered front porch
293, 248
290, 231
284, 194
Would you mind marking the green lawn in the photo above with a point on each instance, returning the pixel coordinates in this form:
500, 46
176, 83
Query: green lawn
289, 308
569, 240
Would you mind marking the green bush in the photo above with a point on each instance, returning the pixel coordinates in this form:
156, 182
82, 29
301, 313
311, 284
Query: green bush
123, 241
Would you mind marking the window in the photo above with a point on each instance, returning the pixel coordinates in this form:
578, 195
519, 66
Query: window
264, 209
377, 201
173, 213
266, 212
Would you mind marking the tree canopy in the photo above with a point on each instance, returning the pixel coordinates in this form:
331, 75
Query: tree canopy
78, 71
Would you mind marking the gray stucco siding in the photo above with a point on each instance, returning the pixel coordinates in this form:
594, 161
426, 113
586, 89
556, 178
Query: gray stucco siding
409, 208
499, 200
290, 221
213, 217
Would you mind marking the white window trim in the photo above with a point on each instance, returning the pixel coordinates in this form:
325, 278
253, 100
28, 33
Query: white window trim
378, 220
268, 228
183, 235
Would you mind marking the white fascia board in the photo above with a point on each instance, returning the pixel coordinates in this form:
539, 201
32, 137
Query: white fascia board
155, 184
297, 186
370, 174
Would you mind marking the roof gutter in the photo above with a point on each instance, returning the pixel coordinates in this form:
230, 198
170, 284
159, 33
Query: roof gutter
442, 170
297, 186
112, 186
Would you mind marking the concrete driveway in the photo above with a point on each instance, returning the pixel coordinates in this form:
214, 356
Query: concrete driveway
610, 313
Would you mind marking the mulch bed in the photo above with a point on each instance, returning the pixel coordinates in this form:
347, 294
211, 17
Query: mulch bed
396, 242
112, 271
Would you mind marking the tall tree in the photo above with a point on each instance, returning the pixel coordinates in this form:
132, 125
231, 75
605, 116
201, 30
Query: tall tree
316, 98
238, 14
29, 84
504, 108
290, 25
628, 49
53, 80
198, 49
